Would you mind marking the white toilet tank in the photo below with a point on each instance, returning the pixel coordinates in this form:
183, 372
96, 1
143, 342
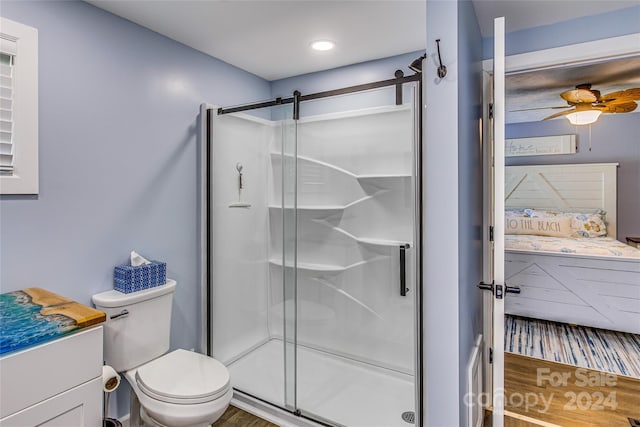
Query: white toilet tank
138, 325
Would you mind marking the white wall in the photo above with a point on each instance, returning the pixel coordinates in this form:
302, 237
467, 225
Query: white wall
354, 188
240, 235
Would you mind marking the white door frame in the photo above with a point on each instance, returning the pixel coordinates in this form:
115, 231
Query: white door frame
497, 295
577, 54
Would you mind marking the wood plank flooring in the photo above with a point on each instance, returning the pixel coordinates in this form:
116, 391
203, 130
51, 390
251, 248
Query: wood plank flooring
515, 421
567, 395
538, 390
235, 417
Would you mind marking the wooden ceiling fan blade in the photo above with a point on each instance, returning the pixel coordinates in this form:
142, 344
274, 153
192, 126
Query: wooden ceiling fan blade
578, 96
560, 114
622, 96
540, 108
619, 108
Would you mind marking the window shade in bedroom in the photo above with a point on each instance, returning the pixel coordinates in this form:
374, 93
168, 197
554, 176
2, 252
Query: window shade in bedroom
7, 57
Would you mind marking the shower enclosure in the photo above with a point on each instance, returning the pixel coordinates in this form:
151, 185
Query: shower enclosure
313, 228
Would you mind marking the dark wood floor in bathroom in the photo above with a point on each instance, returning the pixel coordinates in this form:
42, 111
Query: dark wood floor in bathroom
235, 417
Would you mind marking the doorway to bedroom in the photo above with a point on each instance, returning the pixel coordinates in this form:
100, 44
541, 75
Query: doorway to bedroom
571, 326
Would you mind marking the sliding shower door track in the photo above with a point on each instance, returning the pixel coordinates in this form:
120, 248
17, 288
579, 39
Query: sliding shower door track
326, 94
297, 413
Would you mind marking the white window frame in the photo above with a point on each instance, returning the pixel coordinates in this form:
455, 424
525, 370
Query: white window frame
24, 179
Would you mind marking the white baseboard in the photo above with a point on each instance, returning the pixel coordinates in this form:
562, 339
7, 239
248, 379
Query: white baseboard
474, 386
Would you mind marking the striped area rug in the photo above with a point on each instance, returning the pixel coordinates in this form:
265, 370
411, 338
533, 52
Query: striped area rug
597, 349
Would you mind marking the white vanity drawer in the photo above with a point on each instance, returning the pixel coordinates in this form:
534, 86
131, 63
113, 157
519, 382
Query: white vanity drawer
73, 408
46, 370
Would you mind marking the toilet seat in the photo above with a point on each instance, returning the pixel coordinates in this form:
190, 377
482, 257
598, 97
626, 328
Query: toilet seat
183, 377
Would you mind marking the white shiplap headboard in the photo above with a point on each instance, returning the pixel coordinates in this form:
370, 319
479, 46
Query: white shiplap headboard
576, 188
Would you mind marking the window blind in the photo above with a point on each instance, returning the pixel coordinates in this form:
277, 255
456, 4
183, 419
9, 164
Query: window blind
7, 148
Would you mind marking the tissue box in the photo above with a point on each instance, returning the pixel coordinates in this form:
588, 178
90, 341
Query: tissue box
127, 278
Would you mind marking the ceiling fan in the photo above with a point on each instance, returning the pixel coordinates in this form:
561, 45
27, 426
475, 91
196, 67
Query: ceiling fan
587, 104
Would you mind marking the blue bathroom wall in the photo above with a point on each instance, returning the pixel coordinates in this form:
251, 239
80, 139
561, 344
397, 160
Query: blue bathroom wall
589, 28
614, 139
440, 220
118, 131
364, 72
352, 75
470, 190
452, 255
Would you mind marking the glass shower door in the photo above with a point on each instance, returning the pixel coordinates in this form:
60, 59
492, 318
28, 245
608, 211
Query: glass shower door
283, 251
355, 256
314, 267
253, 304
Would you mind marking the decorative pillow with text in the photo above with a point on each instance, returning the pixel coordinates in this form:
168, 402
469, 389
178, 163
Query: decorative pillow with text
559, 226
583, 224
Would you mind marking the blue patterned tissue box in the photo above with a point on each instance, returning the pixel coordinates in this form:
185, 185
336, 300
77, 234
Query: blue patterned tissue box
127, 278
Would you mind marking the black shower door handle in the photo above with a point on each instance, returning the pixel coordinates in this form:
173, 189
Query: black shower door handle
403, 272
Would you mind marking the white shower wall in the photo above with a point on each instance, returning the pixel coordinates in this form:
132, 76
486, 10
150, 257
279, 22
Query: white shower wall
240, 236
355, 207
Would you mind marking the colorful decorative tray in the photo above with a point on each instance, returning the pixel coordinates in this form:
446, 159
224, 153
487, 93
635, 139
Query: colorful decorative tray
34, 315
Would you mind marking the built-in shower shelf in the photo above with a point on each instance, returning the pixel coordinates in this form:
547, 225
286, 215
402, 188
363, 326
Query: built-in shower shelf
321, 268
344, 171
317, 208
325, 268
382, 242
382, 176
323, 208
372, 240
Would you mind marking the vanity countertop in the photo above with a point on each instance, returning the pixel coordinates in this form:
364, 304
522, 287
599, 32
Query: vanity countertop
34, 315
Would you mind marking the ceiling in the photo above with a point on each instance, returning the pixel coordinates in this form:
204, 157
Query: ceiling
523, 14
270, 38
543, 88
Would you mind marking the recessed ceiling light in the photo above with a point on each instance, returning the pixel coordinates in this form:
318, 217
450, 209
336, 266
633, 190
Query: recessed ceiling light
322, 45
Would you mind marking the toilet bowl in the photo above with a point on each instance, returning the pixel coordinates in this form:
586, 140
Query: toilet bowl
181, 389
177, 389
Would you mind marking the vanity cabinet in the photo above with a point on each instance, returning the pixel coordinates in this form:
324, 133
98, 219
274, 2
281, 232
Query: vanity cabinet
57, 383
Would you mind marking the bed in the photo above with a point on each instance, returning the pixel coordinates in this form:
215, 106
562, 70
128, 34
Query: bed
590, 281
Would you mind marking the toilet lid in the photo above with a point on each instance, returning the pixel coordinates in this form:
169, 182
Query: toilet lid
183, 377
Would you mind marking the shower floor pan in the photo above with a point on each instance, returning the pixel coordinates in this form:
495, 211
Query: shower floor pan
340, 390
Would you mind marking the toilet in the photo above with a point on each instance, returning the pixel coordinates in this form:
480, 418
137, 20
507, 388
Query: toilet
177, 389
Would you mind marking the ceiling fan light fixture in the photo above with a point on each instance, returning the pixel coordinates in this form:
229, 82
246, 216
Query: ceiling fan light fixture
583, 117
